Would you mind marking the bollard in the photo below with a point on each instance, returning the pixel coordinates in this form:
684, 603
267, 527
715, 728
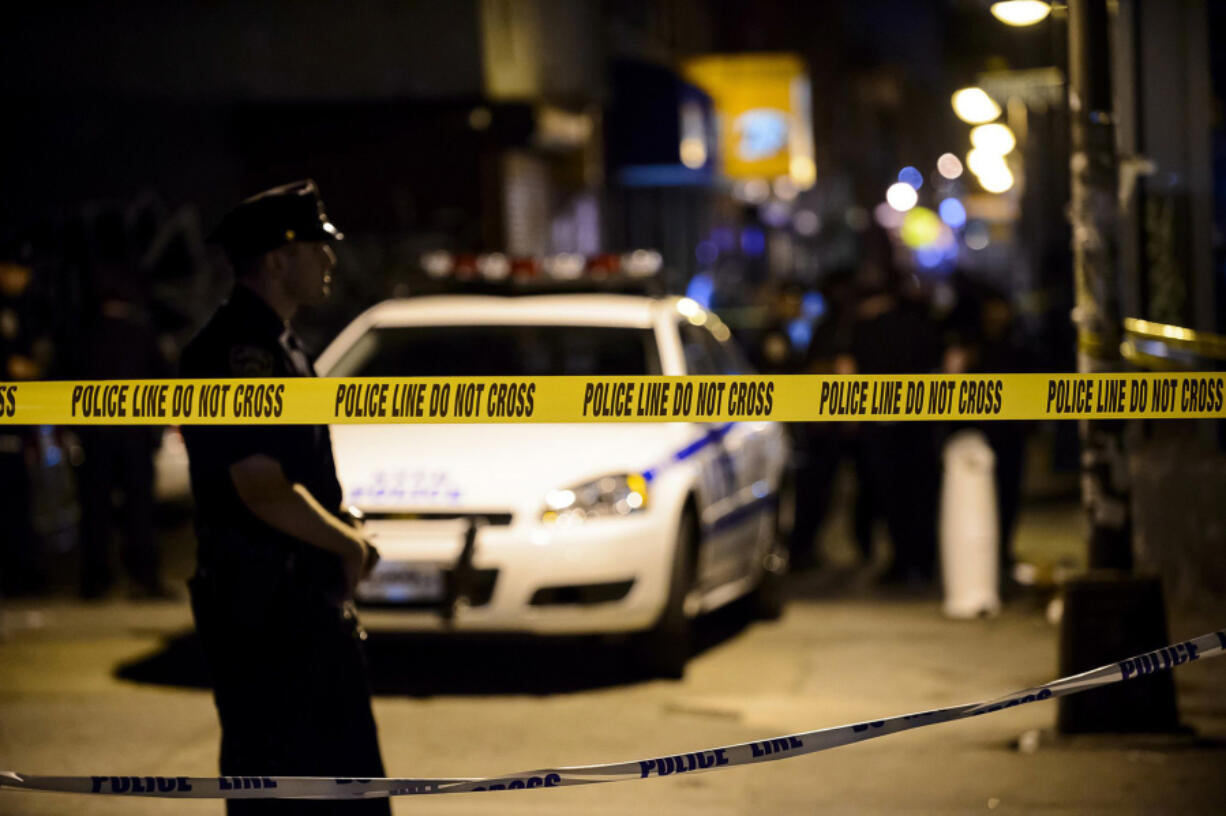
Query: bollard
1108, 617
970, 569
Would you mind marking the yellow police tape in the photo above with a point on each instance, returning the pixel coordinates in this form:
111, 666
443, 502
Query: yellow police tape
794, 398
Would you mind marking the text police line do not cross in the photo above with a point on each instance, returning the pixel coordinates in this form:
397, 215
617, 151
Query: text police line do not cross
786, 398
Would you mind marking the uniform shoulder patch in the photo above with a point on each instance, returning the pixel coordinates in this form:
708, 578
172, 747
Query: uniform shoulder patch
251, 361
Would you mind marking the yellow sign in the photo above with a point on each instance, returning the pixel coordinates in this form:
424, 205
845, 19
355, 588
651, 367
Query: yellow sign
762, 100
796, 398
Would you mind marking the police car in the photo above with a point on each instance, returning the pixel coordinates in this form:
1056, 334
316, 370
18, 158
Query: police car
559, 528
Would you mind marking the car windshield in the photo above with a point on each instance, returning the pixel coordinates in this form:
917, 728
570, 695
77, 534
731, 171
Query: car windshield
492, 351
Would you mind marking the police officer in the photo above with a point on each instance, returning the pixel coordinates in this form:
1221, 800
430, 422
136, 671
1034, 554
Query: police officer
277, 565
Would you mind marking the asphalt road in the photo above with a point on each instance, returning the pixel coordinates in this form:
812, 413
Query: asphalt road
120, 688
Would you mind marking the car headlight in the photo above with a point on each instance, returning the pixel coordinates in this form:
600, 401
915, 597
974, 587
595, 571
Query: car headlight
607, 497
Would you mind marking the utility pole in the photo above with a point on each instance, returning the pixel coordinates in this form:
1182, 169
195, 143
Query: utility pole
1108, 612
1094, 213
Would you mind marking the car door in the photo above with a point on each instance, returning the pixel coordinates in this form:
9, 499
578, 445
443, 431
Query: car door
760, 458
719, 456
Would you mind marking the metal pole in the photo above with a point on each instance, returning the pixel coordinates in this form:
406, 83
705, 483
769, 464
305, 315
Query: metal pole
1107, 610
1094, 216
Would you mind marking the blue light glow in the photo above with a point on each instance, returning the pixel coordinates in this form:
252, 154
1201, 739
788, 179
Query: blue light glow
952, 212
800, 332
909, 175
753, 242
813, 305
929, 257
52, 455
724, 238
775, 214
706, 252
701, 289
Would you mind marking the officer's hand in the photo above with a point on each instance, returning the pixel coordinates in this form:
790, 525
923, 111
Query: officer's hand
372, 558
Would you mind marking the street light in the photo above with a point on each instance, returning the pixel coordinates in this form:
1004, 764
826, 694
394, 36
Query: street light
949, 166
996, 179
983, 161
901, 196
990, 169
995, 138
1020, 12
974, 106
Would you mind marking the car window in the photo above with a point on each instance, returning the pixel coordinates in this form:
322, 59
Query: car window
698, 346
730, 357
493, 351
704, 354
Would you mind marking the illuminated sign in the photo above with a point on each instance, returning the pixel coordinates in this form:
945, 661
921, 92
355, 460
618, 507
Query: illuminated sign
763, 106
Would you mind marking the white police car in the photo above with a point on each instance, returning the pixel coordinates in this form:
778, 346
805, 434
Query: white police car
585, 528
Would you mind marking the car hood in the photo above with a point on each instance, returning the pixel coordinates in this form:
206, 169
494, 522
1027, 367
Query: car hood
490, 467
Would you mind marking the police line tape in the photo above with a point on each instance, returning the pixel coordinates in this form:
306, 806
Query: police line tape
787, 398
710, 759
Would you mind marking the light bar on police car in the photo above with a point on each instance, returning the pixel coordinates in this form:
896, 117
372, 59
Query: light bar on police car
494, 266
438, 264
497, 267
566, 266
642, 263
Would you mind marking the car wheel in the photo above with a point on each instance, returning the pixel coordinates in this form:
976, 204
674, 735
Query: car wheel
663, 650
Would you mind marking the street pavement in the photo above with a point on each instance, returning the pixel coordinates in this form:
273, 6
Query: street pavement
121, 688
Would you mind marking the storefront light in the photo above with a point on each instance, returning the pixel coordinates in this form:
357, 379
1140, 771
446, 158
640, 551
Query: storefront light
1020, 12
803, 171
693, 152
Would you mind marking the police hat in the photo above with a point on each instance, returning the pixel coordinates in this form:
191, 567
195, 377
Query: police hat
274, 218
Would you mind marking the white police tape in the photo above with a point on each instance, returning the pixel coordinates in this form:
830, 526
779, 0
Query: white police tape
746, 753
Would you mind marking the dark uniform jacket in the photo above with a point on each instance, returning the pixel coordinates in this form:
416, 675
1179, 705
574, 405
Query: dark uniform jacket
244, 339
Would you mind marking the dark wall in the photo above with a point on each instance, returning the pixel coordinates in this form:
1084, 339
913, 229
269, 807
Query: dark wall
229, 49
208, 102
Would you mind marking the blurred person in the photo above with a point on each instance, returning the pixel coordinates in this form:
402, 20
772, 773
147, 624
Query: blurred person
822, 446
117, 341
982, 341
276, 565
774, 350
25, 353
893, 333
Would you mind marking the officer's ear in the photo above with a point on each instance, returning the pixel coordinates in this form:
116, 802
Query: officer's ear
277, 262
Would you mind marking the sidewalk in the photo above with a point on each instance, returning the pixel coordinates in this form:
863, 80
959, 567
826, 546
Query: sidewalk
843, 653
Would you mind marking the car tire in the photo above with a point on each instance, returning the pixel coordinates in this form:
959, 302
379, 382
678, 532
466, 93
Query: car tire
664, 649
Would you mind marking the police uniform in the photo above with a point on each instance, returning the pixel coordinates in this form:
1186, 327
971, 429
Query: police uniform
284, 649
